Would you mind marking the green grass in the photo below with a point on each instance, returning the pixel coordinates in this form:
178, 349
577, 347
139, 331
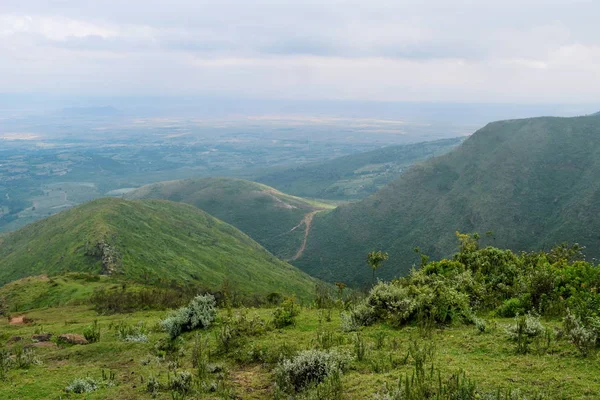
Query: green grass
265, 214
42, 291
488, 359
532, 183
355, 176
148, 242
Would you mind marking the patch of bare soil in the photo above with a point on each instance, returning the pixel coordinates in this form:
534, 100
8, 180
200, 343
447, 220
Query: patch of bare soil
251, 383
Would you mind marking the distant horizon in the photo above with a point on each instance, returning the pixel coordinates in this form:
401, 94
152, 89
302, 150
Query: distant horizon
35, 104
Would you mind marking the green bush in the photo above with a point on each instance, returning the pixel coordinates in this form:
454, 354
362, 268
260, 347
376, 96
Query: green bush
6, 362
92, 332
199, 313
286, 314
480, 324
308, 369
82, 385
416, 298
132, 333
234, 331
583, 337
181, 382
511, 308
127, 300
524, 330
25, 357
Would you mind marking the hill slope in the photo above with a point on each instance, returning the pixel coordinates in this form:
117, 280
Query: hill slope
357, 175
274, 219
150, 242
532, 182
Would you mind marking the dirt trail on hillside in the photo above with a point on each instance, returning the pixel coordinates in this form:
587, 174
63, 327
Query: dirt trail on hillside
307, 221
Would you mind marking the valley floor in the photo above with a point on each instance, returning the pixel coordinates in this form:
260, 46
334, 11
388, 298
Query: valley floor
554, 369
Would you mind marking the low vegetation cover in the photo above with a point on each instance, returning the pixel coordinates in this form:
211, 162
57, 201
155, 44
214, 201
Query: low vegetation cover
159, 244
486, 324
272, 218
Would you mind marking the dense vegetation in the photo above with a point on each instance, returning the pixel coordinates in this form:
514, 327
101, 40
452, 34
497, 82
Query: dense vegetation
488, 280
354, 176
151, 242
530, 183
268, 216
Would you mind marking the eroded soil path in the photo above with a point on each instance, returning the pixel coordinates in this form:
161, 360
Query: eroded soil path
306, 221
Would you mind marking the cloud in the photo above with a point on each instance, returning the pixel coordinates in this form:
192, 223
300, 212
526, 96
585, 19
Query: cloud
431, 50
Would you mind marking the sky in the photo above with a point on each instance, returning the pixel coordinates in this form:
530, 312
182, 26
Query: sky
496, 51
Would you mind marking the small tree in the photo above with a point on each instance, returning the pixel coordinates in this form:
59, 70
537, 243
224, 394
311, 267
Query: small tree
341, 286
375, 260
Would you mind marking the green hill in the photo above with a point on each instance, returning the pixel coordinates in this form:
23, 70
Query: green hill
148, 242
532, 182
274, 219
357, 175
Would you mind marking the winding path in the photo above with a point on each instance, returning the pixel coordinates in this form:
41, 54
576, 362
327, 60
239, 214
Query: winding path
307, 221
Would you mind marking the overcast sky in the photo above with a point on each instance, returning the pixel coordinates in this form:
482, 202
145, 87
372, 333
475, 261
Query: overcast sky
527, 51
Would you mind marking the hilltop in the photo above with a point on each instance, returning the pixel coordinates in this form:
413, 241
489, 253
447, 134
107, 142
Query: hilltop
530, 183
355, 176
274, 219
150, 242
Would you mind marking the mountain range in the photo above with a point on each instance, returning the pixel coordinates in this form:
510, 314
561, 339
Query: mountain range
529, 184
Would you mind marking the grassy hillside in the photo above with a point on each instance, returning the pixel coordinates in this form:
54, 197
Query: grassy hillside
487, 324
272, 218
488, 359
531, 182
148, 242
357, 175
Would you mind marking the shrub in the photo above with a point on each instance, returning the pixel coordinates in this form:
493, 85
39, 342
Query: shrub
235, 330
330, 389
524, 330
347, 323
480, 324
326, 340
308, 368
92, 332
132, 333
286, 314
388, 298
153, 386
363, 315
419, 297
274, 298
360, 348
511, 308
432, 386
127, 300
6, 362
199, 313
181, 382
584, 338
168, 347
82, 385
25, 357
200, 356
379, 337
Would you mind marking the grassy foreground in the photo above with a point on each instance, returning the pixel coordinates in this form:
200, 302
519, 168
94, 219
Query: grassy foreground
245, 370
